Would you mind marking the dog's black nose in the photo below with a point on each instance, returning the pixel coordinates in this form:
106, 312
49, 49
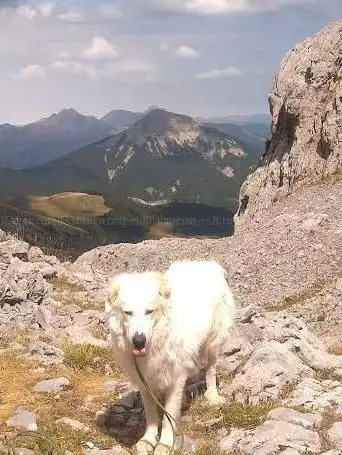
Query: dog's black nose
139, 341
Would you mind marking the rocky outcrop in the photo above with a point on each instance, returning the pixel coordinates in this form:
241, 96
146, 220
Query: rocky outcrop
29, 300
306, 108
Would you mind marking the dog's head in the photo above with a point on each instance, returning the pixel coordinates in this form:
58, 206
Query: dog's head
135, 304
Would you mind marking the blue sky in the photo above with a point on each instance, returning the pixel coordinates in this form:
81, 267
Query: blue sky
200, 57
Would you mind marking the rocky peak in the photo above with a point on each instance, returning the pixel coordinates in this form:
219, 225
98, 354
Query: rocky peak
67, 117
159, 123
306, 108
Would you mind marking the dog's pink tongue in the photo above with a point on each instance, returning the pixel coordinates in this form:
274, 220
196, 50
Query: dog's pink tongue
139, 352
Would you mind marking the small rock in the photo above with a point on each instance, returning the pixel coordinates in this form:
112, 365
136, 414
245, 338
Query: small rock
23, 419
335, 435
100, 418
23, 451
51, 385
81, 335
247, 314
74, 424
128, 400
116, 450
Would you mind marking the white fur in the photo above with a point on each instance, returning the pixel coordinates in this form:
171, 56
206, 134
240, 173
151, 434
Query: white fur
193, 309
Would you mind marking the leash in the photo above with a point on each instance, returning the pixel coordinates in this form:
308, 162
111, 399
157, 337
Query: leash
169, 417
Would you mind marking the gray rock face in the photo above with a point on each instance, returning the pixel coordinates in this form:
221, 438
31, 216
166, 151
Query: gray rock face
306, 108
23, 419
51, 385
316, 395
269, 354
304, 420
24, 281
284, 430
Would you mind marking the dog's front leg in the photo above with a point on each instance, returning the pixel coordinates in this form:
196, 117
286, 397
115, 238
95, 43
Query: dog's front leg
147, 443
173, 406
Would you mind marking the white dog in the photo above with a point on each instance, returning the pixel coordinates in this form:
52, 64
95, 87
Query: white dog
171, 323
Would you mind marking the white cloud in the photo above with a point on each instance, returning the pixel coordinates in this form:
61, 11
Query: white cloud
215, 7
31, 71
34, 10
46, 9
100, 49
74, 67
71, 16
219, 73
184, 51
27, 11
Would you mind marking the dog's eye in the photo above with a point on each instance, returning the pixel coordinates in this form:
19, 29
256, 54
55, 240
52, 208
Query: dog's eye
128, 313
148, 312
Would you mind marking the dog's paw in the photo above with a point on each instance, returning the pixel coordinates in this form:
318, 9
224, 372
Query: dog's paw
163, 450
214, 398
144, 447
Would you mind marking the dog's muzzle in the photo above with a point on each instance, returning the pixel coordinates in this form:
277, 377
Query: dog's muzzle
139, 344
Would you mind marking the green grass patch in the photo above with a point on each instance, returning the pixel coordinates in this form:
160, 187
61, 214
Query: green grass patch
84, 356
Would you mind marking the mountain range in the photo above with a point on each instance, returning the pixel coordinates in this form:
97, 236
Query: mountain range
163, 173
162, 157
37, 143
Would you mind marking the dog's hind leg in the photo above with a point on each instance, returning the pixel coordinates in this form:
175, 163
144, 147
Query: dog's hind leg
173, 406
212, 393
146, 444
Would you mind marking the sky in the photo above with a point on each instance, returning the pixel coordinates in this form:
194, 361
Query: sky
197, 57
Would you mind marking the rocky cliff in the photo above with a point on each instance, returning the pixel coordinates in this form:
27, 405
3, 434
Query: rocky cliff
306, 109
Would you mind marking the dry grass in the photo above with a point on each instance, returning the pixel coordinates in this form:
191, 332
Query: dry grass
161, 230
16, 377
335, 349
328, 419
19, 335
72, 205
80, 357
234, 415
299, 298
80, 400
208, 447
69, 292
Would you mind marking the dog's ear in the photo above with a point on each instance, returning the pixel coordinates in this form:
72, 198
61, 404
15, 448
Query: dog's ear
163, 286
112, 295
